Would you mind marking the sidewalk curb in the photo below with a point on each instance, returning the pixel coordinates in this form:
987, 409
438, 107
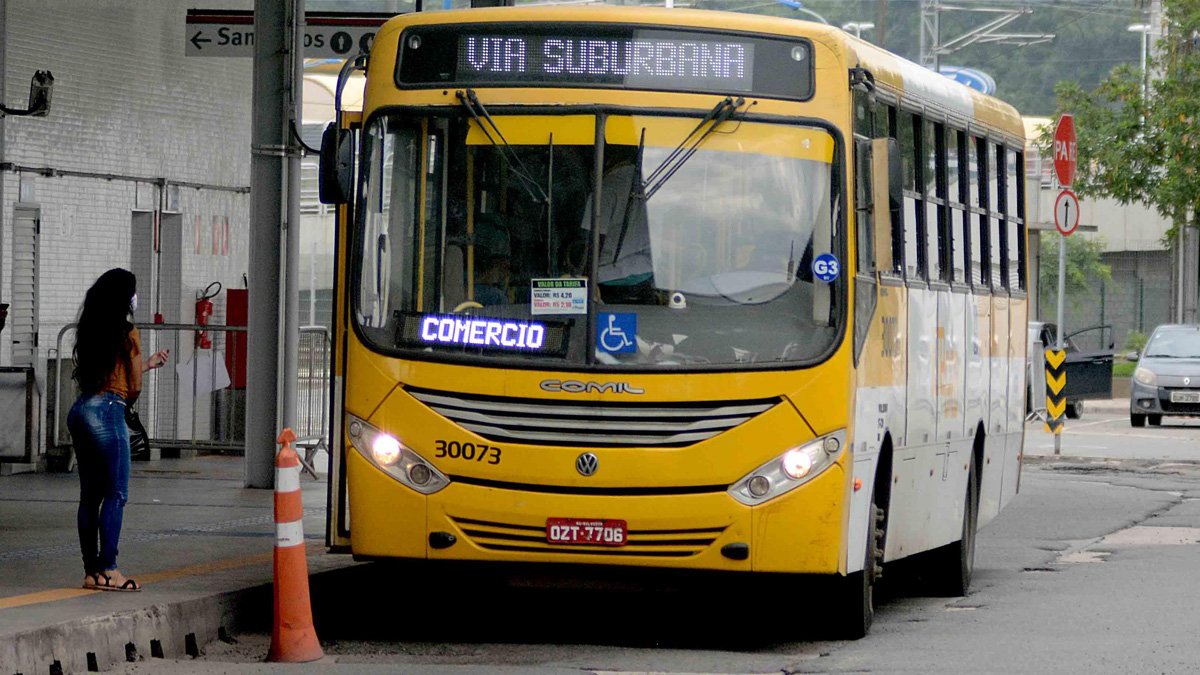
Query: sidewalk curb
111, 639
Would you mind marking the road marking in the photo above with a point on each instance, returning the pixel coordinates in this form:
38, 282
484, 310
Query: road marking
56, 594
43, 596
1076, 425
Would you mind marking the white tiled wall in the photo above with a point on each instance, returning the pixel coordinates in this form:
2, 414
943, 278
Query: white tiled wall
126, 102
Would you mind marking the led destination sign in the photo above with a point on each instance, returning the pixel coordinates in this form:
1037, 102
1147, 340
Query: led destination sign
650, 62
481, 333
604, 55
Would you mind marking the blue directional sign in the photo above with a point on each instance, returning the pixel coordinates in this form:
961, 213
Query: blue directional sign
975, 79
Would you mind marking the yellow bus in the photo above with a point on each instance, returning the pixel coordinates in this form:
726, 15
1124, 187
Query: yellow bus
658, 288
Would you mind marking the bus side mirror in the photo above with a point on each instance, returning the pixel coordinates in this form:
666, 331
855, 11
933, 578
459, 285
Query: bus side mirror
337, 154
886, 183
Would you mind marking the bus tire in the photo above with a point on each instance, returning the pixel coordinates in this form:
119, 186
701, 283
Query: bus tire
953, 564
854, 595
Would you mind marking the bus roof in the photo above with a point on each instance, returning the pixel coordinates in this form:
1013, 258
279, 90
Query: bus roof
913, 85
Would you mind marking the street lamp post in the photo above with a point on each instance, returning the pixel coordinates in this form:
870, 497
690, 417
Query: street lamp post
1144, 29
857, 27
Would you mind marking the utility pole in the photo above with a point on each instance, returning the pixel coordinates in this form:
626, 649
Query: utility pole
933, 46
881, 17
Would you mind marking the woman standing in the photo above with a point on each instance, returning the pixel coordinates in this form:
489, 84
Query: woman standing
108, 369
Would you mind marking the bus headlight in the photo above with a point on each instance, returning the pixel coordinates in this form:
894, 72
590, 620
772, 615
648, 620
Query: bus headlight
789, 471
394, 457
1145, 376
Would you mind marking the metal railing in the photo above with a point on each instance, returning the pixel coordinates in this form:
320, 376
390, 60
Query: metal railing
198, 400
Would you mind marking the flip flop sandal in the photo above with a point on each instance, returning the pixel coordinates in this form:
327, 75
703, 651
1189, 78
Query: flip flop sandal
128, 586
91, 581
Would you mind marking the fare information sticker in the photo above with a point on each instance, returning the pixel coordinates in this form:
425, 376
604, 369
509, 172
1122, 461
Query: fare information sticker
558, 296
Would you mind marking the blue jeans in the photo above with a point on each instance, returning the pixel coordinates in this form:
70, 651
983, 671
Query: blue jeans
101, 439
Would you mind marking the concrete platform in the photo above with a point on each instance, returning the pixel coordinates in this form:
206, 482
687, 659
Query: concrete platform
199, 542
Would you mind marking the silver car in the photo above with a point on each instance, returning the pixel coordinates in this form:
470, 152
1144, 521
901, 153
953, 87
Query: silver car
1167, 379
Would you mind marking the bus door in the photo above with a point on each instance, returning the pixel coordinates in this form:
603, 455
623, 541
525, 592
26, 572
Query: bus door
339, 146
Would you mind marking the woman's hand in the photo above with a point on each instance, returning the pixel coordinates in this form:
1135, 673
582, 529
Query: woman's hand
158, 359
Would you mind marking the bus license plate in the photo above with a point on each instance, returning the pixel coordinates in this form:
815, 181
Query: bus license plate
583, 531
1185, 397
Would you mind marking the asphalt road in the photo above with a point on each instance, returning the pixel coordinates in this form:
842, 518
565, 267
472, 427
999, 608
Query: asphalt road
1089, 570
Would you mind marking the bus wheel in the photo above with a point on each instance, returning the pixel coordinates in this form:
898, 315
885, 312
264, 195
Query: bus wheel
953, 564
854, 595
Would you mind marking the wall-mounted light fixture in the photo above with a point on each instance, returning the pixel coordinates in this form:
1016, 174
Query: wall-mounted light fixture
40, 89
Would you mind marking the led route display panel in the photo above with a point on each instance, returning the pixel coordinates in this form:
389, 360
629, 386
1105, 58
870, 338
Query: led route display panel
591, 55
477, 333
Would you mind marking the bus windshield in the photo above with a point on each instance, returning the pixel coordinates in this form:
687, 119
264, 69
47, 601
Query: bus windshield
492, 239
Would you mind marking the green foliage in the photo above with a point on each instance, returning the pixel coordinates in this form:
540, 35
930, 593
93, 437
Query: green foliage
1139, 149
1083, 266
1136, 341
1124, 368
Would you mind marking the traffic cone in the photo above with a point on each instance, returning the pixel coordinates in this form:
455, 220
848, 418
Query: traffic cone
293, 638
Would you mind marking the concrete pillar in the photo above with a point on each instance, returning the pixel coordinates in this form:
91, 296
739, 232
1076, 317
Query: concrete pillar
267, 143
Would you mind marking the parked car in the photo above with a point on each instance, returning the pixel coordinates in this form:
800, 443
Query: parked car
1089, 371
1167, 378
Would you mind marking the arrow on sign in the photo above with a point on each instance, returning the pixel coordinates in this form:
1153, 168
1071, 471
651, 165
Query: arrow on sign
1056, 410
1055, 357
1056, 384
197, 39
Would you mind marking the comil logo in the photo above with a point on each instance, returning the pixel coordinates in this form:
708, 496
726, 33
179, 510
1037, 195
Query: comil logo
577, 387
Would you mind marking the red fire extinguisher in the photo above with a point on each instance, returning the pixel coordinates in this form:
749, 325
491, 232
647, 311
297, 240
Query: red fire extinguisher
204, 309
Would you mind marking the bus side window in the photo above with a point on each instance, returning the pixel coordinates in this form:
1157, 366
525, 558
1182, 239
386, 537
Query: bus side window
914, 254
935, 200
1015, 217
885, 127
998, 241
978, 198
864, 201
956, 189
864, 114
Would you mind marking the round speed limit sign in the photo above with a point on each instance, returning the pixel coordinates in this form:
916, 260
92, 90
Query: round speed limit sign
1066, 212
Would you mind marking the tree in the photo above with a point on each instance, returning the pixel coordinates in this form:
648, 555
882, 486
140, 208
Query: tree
1083, 265
1144, 149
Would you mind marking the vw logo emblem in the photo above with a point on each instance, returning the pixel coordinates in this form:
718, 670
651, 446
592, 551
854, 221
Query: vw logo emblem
586, 464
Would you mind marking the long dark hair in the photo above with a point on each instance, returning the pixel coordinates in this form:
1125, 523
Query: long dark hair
103, 333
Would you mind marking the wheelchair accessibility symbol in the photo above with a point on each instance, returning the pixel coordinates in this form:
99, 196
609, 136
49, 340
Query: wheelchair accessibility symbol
616, 333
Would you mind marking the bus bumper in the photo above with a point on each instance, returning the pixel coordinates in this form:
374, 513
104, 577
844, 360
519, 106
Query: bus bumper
802, 531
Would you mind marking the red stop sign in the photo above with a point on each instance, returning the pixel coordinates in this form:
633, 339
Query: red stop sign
1064, 150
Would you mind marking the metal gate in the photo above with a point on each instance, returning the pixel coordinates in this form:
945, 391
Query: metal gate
193, 402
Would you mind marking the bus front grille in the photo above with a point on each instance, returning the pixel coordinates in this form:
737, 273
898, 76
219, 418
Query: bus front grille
542, 422
496, 536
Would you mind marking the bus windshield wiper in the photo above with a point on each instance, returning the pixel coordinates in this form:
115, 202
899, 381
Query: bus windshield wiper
674, 161
474, 106
643, 190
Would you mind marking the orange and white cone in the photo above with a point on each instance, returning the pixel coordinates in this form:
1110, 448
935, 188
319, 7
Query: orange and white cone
293, 638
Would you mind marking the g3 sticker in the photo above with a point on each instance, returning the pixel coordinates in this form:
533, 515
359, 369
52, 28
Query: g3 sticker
826, 267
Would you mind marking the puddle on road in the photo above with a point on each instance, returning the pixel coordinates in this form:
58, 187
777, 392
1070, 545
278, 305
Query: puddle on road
1083, 557
1131, 537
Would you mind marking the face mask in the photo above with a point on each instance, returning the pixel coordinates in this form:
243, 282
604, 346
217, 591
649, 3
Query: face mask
133, 304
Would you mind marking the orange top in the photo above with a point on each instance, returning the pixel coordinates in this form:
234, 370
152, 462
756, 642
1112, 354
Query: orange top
126, 378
